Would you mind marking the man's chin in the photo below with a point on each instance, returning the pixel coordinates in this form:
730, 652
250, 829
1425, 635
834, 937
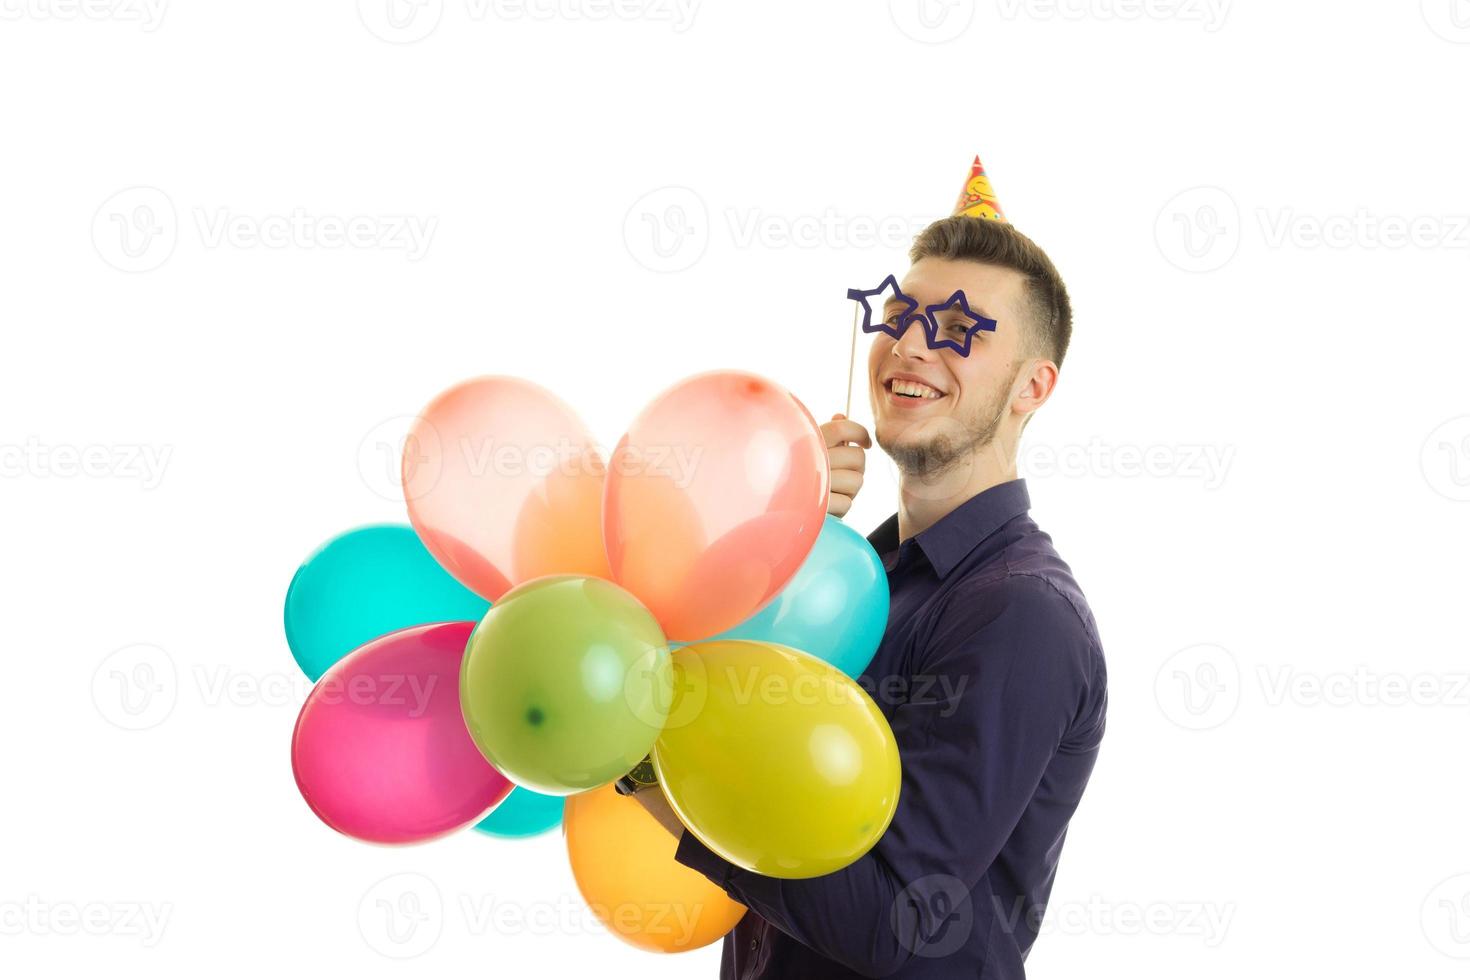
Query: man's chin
912, 434
915, 453
930, 448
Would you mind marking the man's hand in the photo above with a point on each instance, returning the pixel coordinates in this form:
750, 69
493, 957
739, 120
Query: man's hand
847, 462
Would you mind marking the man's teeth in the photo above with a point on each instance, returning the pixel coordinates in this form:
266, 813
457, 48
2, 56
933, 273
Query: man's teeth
913, 388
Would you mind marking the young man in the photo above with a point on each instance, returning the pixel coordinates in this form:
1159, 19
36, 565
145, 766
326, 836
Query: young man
990, 672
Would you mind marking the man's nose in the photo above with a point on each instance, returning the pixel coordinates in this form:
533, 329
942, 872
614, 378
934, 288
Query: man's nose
913, 342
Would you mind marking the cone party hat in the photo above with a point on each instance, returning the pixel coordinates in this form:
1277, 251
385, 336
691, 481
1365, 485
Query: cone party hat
977, 197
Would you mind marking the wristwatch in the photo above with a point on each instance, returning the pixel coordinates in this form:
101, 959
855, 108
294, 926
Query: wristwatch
640, 777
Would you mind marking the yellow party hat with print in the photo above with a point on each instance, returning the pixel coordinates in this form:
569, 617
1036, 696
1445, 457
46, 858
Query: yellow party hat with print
977, 198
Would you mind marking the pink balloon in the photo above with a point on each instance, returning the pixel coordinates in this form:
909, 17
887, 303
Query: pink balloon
714, 497
504, 484
381, 752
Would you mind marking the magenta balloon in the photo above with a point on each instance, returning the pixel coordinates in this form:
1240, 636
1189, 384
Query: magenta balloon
381, 752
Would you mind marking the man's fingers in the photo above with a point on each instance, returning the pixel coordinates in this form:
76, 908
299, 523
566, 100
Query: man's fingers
847, 458
840, 431
846, 482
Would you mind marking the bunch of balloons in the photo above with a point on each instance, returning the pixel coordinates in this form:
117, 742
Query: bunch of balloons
551, 618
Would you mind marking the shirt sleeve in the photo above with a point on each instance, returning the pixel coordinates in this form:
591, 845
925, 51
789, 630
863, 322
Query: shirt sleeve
1002, 683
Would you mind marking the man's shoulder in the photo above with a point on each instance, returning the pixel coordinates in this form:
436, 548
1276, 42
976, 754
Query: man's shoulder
1022, 619
1028, 572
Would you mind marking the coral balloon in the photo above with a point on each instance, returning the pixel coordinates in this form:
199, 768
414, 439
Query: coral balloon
380, 749
504, 484
775, 759
714, 496
566, 683
623, 861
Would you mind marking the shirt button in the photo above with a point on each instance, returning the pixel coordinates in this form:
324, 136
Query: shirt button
755, 944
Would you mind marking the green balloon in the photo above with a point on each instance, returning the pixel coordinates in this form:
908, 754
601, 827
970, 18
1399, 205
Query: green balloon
566, 683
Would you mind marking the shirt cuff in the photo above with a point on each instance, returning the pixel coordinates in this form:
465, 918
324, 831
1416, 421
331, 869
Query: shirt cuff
693, 854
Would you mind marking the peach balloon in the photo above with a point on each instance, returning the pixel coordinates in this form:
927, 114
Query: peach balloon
504, 484
623, 861
713, 499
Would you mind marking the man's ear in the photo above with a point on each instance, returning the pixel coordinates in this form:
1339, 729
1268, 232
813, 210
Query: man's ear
1034, 384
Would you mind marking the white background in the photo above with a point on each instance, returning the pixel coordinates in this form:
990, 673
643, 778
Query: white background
1227, 187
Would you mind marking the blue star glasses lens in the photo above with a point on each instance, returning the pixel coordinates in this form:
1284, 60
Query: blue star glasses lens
950, 324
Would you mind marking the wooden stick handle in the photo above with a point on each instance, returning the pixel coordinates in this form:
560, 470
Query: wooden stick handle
851, 362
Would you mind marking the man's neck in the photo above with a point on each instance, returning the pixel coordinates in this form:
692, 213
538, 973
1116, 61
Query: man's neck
923, 500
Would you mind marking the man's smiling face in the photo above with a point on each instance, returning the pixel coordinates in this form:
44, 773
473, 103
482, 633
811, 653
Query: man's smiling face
932, 408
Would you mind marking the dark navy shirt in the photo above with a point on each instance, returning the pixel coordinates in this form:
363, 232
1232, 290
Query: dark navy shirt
991, 675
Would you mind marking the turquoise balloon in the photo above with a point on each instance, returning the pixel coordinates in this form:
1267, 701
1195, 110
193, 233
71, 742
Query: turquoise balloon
835, 607
523, 813
364, 583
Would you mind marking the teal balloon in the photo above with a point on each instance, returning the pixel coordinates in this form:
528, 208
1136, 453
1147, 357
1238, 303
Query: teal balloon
523, 813
364, 583
835, 607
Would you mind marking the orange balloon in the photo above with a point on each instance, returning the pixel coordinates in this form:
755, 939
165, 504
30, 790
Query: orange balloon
560, 528
504, 484
714, 497
659, 511
623, 860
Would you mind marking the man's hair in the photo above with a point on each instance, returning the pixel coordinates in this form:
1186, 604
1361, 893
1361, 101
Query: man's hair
997, 243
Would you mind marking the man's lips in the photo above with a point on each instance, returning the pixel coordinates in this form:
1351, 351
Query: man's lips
912, 388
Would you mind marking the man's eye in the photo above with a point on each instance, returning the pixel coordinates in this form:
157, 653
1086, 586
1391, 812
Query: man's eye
893, 319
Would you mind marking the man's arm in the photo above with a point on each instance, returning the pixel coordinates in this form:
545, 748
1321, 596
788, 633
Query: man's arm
995, 693
658, 807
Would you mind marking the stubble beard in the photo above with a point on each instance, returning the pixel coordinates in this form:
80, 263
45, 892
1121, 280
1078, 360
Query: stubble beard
954, 444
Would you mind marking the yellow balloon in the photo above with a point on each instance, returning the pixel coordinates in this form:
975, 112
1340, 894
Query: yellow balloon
775, 759
623, 860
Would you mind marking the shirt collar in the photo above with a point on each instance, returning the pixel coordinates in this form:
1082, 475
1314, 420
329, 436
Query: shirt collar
946, 542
